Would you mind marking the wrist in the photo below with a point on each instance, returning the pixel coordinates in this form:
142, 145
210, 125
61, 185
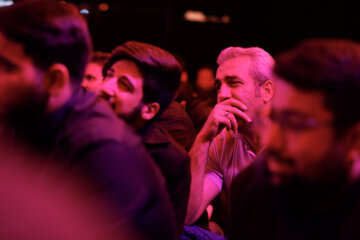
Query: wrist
204, 137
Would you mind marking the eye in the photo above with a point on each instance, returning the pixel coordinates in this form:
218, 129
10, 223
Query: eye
289, 121
90, 78
235, 83
124, 85
217, 85
296, 124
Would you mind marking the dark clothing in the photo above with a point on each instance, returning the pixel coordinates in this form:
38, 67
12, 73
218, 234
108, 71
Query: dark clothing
174, 163
260, 210
87, 137
178, 124
198, 233
185, 94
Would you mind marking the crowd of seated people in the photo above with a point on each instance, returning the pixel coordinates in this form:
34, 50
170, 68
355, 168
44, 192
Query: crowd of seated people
122, 145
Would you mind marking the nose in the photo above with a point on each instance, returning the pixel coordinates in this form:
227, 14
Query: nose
224, 93
275, 138
84, 83
109, 87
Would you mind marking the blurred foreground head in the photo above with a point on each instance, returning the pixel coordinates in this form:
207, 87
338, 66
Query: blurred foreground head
315, 135
44, 49
40, 202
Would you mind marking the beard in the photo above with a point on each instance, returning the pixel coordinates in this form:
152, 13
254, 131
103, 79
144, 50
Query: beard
22, 109
318, 192
134, 118
254, 130
330, 170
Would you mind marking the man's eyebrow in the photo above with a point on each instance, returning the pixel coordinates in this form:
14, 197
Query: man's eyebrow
296, 113
8, 65
231, 78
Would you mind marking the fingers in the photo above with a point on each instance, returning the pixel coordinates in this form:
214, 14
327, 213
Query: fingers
234, 103
227, 118
235, 107
225, 121
238, 113
234, 124
225, 114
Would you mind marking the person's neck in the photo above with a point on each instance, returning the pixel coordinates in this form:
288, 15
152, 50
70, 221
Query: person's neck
252, 137
254, 131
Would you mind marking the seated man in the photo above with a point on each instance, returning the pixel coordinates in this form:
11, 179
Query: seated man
44, 49
231, 136
306, 185
140, 83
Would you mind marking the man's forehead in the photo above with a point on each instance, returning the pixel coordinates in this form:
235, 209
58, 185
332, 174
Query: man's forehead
288, 97
129, 72
234, 66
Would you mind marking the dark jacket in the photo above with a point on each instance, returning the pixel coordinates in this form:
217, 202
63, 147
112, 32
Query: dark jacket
89, 140
174, 163
260, 210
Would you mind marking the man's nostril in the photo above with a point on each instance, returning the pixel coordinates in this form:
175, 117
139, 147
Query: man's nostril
104, 95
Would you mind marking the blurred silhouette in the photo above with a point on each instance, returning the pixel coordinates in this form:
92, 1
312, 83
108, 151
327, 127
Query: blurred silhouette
204, 95
40, 200
306, 184
44, 49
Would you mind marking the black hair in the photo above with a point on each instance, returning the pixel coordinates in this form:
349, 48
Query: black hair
100, 57
51, 32
331, 66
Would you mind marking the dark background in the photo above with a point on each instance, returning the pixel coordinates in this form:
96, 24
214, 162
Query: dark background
274, 26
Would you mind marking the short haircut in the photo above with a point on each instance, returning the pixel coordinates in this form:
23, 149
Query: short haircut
330, 66
262, 61
100, 57
159, 68
51, 32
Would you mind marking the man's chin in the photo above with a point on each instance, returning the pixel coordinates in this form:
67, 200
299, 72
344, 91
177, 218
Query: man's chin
127, 118
132, 119
280, 173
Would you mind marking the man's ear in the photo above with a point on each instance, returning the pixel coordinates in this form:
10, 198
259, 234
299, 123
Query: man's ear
149, 110
267, 90
57, 85
56, 79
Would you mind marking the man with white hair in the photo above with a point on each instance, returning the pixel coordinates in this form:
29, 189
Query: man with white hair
231, 136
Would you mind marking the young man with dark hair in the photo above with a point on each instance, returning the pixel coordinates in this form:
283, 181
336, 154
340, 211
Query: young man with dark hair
140, 83
44, 49
306, 185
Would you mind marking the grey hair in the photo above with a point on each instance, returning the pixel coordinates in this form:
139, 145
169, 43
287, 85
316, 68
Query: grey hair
262, 61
